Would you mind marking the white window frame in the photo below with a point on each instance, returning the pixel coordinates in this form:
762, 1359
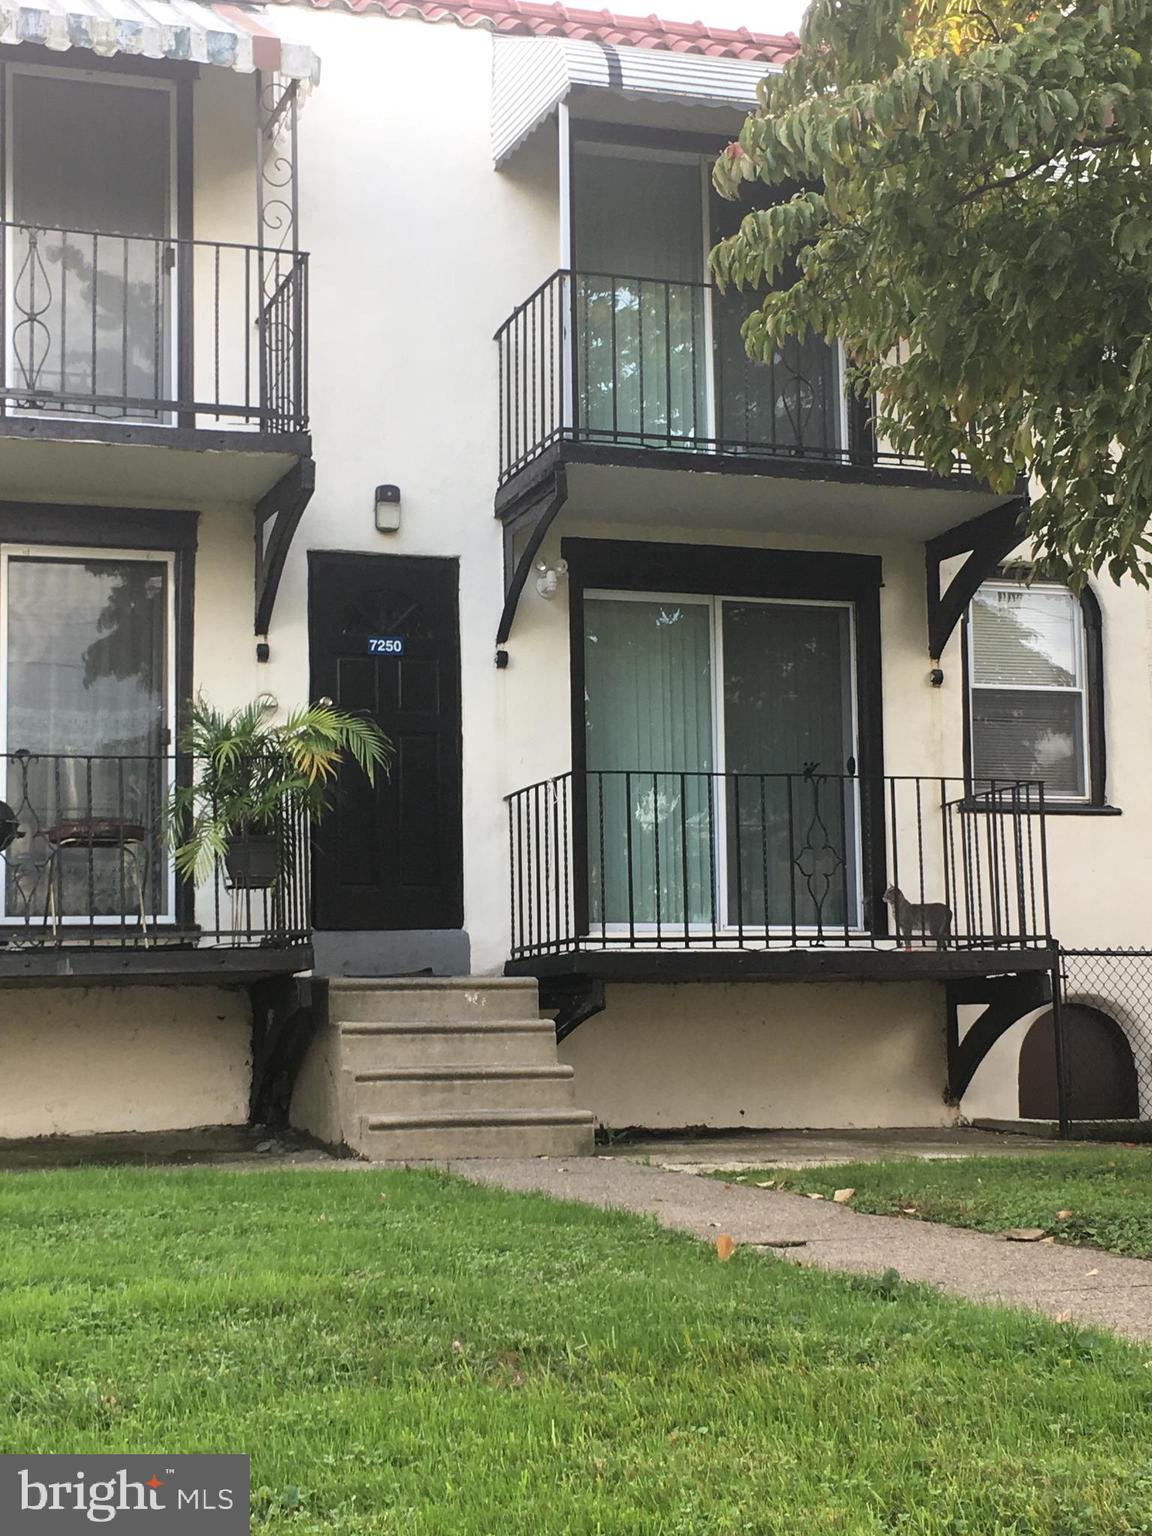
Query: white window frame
68, 552
1080, 653
93, 77
725, 926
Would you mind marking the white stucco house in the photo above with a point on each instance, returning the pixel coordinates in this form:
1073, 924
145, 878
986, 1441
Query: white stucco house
367, 350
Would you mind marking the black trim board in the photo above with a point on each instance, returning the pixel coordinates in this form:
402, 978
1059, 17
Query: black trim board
186, 256
814, 964
148, 435
594, 130
738, 571
33, 522
78, 967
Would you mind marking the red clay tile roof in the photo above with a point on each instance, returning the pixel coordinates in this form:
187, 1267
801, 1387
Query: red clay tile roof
540, 19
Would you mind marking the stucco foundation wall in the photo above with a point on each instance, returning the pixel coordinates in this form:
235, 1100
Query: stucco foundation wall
88, 1059
762, 1056
315, 1106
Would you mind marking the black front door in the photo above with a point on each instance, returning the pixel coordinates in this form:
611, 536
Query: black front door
385, 639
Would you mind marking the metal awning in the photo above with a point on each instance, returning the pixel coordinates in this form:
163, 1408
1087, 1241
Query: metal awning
531, 76
231, 36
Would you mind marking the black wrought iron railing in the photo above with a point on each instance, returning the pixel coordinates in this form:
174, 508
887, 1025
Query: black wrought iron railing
659, 859
137, 328
86, 860
652, 364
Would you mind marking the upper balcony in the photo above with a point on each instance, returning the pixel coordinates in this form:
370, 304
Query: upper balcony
618, 373
198, 346
150, 356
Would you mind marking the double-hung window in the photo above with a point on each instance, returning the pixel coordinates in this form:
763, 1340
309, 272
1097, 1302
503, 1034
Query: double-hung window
1029, 687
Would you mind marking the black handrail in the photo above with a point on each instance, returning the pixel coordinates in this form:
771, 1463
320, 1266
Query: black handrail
674, 859
153, 329
86, 860
656, 364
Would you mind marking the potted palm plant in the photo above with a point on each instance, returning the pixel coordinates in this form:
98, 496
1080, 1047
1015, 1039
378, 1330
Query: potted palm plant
252, 775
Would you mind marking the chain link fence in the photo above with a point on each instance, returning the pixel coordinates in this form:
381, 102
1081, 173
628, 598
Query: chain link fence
1098, 1040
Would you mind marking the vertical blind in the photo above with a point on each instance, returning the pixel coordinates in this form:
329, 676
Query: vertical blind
663, 827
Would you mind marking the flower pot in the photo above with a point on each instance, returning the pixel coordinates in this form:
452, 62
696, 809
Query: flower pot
253, 861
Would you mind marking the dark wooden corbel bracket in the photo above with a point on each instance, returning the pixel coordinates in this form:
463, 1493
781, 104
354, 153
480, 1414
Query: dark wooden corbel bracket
987, 540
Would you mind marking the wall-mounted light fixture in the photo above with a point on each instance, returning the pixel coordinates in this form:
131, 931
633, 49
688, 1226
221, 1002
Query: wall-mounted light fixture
549, 576
387, 508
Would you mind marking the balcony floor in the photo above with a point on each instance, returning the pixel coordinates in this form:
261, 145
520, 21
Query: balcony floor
90, 461
812, 963
94, 965
695, 490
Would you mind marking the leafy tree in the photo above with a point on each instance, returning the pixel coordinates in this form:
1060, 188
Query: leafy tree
974, 220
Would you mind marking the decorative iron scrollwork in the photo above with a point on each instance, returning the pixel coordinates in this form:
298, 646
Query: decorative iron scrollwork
818, 859
32, 299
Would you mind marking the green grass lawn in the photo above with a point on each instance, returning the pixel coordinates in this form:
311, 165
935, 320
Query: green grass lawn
402, 1352
1106, 1192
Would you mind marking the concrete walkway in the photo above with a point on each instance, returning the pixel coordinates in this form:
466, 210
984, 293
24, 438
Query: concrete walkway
1080, 1283
720, 1152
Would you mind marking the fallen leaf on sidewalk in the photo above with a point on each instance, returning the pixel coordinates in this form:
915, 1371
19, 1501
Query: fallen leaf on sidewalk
815, 1197
1023, 1234
725, 1247
1088, 1272
765, 1183
842, 1196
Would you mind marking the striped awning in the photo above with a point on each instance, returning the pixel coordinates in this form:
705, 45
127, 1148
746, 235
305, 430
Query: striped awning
236, 37
531, 76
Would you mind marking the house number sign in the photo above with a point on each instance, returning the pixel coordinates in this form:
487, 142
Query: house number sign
386, 645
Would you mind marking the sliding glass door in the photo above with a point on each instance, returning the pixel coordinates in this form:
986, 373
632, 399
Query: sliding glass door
659, 357
721, 754
85, 669
90, 261
641, 300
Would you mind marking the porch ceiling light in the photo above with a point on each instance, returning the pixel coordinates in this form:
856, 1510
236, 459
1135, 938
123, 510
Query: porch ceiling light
548, 580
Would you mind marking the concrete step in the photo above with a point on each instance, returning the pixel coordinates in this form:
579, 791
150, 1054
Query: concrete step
475, 1042
415, 999
452, 1088
481, 1133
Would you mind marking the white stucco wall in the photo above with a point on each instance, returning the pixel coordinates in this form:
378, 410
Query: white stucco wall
755, 1056
76, 1060
316, 1098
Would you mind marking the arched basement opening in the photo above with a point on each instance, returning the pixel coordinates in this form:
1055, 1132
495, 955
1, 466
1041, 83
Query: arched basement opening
1101, 1068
